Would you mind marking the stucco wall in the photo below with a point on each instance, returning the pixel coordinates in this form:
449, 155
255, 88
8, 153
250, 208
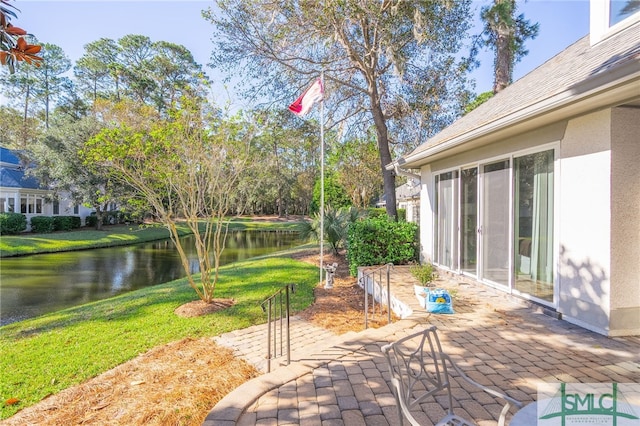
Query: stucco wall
584, 219
597, 214
625, 221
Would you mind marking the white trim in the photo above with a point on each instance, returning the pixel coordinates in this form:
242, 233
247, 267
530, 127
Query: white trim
600, 16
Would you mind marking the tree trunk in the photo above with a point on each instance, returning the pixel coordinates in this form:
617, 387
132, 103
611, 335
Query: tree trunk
99, 215
26, 104
504, 60
504, 32
280, 199
388, 176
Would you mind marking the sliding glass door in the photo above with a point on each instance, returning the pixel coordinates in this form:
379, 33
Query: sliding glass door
469, 220
494, 221
446, 220
494, 232
533, 227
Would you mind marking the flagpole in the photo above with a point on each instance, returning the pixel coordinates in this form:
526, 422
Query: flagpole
322, 179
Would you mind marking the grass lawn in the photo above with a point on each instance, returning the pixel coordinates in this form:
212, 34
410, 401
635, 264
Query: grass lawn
44, 355
111, 235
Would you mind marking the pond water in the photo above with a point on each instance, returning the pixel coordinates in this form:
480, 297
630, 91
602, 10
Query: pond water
34, 285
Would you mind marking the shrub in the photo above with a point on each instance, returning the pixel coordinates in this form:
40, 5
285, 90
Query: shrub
12, 223
66, 223
378, 212
336, 224
424, 273
42, 224
91, 220
379, 240
108, 218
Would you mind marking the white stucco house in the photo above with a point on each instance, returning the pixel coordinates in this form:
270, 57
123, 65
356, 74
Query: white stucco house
537, 191
20, 193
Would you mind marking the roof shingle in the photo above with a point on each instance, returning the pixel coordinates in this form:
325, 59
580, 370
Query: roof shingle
576, 64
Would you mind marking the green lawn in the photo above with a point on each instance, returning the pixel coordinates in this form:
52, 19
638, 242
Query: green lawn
44, 355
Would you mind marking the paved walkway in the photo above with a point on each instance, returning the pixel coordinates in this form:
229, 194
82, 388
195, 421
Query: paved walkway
499, 340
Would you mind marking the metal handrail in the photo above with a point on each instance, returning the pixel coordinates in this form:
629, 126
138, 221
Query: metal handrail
363, 279
277, 311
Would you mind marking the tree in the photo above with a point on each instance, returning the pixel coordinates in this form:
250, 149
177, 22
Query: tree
335, 194
13, 46
355, 164
478, 100
506, 33
135, 67
96, 71
50, 78
389, 62
59, 163
37, 87
288, 150
21, 89
16, 132
186, 165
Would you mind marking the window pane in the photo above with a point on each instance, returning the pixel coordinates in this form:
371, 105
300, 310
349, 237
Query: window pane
533, 228
620, 10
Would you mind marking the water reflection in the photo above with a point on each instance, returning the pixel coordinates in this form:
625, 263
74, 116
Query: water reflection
38, 284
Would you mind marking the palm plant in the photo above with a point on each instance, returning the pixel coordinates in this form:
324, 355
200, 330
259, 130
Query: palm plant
336, 224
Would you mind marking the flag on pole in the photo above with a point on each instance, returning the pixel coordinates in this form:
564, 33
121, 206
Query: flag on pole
303, 104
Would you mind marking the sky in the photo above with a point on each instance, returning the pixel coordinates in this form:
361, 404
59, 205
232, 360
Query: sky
71, 24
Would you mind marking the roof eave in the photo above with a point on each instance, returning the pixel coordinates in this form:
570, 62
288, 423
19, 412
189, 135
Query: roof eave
600, 91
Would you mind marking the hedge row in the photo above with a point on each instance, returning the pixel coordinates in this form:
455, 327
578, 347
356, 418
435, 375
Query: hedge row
45, 224
112, 218
15, 223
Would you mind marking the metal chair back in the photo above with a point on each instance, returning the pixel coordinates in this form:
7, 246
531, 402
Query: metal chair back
420, 369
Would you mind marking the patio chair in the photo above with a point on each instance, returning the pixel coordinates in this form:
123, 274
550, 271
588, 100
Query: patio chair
419, 370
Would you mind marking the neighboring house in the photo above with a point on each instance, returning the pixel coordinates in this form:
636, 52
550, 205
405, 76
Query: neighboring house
407, 198
537, 191
24, 194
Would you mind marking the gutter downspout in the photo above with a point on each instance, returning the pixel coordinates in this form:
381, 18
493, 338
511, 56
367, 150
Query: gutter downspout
398, 171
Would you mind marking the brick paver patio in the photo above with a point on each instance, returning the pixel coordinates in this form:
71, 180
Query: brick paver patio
497, 339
